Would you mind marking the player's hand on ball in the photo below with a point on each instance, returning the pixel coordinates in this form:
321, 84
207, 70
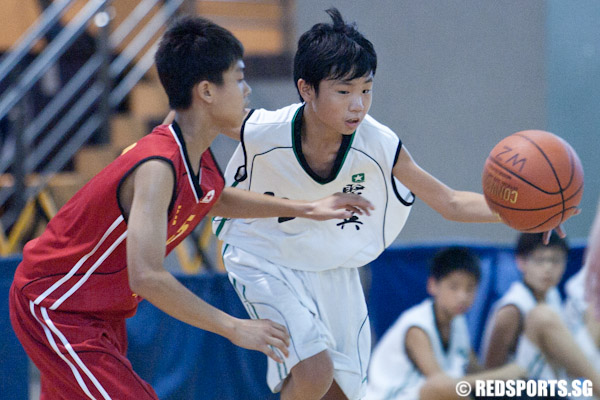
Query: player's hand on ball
341, 206
263, 335
560, 231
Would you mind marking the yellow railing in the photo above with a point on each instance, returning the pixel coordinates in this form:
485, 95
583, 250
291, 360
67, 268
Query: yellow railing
43, 203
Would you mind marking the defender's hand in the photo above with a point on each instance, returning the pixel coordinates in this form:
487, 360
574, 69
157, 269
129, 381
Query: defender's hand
339, 205
263, 335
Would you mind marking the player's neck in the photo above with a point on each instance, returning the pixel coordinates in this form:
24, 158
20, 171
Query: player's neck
320, 146
443, 321
317, 135
443, 318
197, 132
539, 295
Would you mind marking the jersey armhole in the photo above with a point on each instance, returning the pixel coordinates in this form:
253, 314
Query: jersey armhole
242, 172
410, 200
132, 169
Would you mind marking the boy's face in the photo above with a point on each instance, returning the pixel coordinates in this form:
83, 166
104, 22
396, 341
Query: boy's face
454, 293
543, 268
341, 105
231, 98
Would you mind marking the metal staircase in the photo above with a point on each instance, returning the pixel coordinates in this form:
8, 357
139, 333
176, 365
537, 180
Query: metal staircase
39, 144
31, 150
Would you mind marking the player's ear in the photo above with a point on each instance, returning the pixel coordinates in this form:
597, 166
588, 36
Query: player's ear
521, 261
205, 91
306, 90
432, 286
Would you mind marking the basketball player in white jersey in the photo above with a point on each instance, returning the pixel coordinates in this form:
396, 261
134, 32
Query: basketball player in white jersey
304, 275
431, 337
542, 267
546, 341
528, 325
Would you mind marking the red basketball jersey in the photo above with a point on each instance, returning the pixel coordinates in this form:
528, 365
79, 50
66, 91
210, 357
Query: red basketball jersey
79, 263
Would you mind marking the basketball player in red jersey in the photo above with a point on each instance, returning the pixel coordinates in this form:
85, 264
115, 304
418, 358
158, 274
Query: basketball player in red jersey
104, 250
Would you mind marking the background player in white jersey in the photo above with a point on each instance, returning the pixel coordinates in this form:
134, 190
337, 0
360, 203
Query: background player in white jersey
545, 341
527, 325
304, 275
431, 337
542, 267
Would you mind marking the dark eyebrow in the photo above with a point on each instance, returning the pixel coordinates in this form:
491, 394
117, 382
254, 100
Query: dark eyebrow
347, 81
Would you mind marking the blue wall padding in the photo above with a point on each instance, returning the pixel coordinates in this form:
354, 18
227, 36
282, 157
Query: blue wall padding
13, 360
183, 362
399, 276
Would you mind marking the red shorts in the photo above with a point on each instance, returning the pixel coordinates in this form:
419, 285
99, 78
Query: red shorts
78, 356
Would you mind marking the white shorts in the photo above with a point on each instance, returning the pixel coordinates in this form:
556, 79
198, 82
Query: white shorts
321, 311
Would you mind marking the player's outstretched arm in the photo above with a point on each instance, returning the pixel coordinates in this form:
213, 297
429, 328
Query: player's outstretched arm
454, 205
238, 203
146, 195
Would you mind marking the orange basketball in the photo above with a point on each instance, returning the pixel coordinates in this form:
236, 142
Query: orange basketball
533, 180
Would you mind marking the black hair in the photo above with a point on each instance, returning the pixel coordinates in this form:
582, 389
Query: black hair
454, 259
194, 49
529, 242
333, 51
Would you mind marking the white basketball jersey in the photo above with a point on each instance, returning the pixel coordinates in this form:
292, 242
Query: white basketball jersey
575, 303
269, 160
392, 375
520, 296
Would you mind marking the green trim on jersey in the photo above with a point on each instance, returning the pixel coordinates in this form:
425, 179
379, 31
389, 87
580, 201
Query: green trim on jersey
249, 306
254, 315
346, 153
293, 125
